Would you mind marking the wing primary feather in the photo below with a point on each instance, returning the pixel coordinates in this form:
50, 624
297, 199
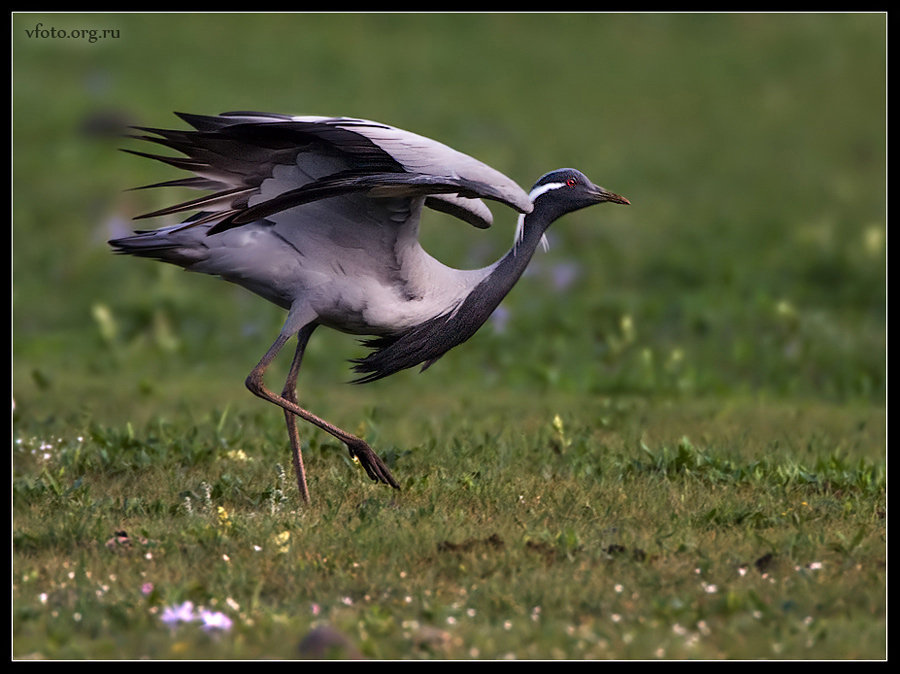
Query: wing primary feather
177, 162
376, 184
233, 154
227, 198
194, 182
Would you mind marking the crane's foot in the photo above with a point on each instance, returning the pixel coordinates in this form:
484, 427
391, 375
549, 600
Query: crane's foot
374, 466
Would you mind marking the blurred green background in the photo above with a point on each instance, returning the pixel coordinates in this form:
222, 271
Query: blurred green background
752, 147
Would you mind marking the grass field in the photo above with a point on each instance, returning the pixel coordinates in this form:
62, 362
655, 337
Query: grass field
669, 442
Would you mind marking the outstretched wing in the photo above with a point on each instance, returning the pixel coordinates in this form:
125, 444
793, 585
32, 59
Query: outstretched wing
237, 155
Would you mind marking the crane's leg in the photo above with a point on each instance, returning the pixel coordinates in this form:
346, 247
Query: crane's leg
357, 447
290, 394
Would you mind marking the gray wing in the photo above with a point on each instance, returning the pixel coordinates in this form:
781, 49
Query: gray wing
235, 155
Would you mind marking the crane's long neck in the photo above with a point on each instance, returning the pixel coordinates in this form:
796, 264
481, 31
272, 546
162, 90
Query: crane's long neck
505, 273
430, 340
487, 294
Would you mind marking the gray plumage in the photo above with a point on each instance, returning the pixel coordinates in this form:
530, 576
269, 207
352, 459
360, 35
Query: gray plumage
321, 215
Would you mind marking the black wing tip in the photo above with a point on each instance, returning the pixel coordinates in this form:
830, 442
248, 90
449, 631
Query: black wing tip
256, 113
229, 118
202, 122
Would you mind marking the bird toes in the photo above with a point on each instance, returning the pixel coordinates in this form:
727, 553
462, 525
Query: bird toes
372, 463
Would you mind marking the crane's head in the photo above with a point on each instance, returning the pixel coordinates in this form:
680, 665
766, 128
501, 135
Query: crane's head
566, 190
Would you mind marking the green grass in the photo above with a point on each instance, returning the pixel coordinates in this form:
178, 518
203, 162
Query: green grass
580, 539
670, 444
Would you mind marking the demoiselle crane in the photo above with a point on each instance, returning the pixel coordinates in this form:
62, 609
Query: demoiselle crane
320, 216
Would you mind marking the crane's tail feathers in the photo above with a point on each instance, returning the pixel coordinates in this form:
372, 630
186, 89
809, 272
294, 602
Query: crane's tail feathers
164, 245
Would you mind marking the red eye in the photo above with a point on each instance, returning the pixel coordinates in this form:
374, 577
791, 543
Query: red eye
571, 182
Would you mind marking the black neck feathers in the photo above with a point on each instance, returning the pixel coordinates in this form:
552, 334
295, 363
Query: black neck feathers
427, 342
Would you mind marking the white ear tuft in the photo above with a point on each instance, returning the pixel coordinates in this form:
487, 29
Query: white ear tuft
545, 242
520, 229
520, 232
